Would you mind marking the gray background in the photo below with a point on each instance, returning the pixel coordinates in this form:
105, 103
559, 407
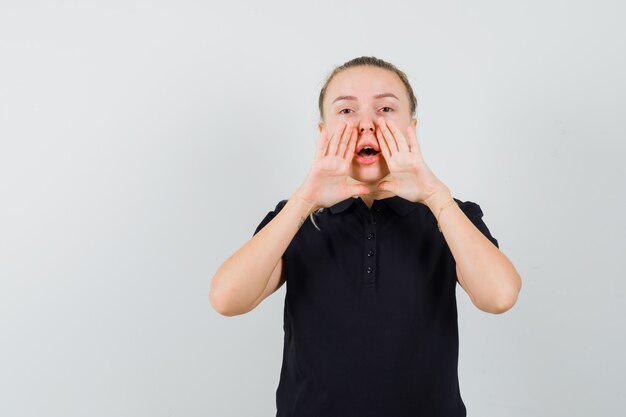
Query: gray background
142, 143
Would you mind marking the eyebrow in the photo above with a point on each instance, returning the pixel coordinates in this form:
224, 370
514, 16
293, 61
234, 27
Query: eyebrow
354, 98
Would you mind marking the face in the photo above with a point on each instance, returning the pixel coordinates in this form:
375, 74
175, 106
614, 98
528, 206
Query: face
351, 95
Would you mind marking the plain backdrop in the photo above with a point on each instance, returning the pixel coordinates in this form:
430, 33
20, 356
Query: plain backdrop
143, 141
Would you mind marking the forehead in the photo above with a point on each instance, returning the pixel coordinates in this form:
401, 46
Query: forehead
364, 82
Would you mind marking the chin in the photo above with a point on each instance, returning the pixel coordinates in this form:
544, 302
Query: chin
369, 174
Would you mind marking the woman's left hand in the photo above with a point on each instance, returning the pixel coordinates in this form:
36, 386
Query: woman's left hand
409, 176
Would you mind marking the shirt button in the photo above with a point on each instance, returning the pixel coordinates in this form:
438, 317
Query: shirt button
370, 253
370, 236
377, 208
369, 269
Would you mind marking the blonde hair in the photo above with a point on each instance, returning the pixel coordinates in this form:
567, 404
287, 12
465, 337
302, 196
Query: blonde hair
356, 62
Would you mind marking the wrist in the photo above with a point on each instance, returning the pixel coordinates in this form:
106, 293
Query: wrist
306, 201
438, 200
438, 203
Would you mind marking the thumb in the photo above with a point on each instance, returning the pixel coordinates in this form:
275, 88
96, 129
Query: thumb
385, 186
359, 189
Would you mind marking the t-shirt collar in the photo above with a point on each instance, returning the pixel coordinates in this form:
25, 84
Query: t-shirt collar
398, 204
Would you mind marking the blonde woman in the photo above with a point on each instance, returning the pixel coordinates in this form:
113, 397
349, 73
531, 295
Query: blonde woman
371, 246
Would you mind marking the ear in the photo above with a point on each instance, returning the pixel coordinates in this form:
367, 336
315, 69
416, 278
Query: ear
320, 126
414, 123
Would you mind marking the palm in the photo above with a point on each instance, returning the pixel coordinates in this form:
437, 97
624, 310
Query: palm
409, 176
335, 187
327, 182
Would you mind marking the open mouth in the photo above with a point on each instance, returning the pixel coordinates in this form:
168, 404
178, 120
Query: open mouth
367, 156
367, 152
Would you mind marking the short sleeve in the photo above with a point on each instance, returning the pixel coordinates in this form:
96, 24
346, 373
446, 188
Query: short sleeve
475, 214
269, 216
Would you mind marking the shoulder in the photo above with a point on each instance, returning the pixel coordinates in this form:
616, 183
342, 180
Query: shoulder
470, 208
270, 215
278, 207
281, 204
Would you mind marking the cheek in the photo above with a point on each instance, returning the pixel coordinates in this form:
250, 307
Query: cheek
399, 122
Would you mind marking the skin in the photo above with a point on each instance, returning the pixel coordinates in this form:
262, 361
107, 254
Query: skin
483, 271
255, 270
366, 117
364, 83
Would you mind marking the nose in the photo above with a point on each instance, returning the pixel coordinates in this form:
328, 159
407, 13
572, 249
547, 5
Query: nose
365, 125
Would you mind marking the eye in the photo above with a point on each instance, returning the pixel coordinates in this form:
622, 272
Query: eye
387, 107
341, 111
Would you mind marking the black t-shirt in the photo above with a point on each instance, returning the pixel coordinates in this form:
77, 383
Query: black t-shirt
370, 318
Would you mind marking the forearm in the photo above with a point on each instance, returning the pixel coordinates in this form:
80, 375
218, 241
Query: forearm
487, 275
241, 279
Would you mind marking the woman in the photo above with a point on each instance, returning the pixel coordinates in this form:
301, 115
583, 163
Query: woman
370, 315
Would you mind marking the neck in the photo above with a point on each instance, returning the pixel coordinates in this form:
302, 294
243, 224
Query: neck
374, 194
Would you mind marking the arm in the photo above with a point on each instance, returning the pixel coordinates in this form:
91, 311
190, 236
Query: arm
255, 270
243, 280
487, 276
483, 271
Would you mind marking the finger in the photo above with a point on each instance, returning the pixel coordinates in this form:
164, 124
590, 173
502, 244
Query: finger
350, 146
382, 143
402, 142
393, 146
387, 186
415, 146
334, 141
359, 189
321, 144
345, 138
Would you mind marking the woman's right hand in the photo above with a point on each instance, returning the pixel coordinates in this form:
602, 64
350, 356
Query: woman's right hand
327, 181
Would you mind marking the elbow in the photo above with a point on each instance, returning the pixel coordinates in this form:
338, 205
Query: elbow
503, 305
498, 306
216, 303
215, 299
507, 299
220, 304
217, 296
